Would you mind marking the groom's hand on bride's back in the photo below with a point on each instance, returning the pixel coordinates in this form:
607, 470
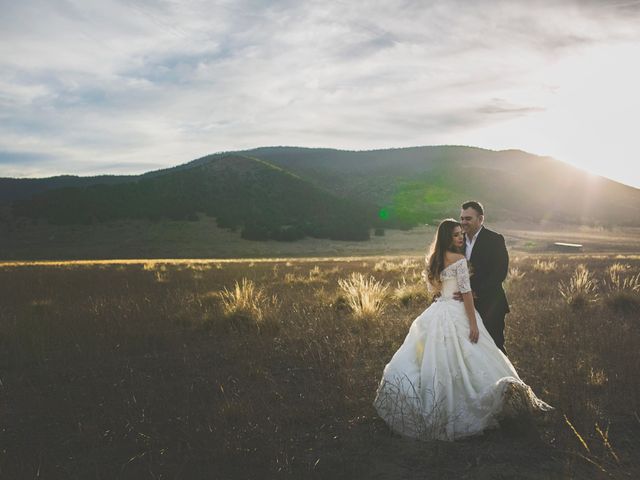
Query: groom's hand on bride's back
458, 296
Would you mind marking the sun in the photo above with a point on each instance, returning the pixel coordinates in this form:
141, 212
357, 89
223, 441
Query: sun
588, 104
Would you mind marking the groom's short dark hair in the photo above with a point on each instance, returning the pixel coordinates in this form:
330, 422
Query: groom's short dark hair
477, 206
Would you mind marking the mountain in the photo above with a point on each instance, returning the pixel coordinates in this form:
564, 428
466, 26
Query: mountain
263, 200
417, 185
290, 192
424, 184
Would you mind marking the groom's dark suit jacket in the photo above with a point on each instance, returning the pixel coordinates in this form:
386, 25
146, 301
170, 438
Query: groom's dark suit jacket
489, 266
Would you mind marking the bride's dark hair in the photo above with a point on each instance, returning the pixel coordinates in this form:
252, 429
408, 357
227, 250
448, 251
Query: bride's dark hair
442, 243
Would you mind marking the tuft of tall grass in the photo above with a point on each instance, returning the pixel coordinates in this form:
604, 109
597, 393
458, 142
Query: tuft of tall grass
618, 268
365, 297
597, 377
615, 281
315, 272
248, 301
315, 276
515, 275
581, 289
622, 290
545, 266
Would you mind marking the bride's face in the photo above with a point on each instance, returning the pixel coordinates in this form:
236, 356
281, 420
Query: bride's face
458, 238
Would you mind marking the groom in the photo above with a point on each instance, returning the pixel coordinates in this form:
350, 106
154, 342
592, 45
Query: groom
489, 263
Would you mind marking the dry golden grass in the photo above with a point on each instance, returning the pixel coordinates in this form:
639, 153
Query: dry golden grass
597, 377
618, 268
580, 289
366, 297
105, 372
515, 273
315, 276
408, 292
621, 288
617, 281
315, 272
248, 301
545, 266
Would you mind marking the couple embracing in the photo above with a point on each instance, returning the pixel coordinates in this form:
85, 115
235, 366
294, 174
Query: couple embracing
451, 377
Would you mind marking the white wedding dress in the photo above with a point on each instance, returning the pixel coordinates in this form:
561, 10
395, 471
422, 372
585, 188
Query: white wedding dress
439, 385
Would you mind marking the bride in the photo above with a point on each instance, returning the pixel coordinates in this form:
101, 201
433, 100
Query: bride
448, 379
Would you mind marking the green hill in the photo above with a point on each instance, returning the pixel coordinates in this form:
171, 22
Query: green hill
12, 189
262, 200
424, 184
290, 192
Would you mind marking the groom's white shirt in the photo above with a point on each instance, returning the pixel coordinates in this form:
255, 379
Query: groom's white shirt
470, 244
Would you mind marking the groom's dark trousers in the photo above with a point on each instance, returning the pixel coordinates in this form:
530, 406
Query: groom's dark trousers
489, 266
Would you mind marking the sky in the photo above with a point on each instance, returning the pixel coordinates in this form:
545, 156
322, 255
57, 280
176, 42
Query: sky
128, 86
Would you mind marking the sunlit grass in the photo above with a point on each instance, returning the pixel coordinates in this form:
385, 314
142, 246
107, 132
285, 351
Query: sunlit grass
545, 266
618, 268
617, 281
516, 274
597, 377
313, 276
216, 262
366, 297
248, 301
163, 373
315, 272
408, 292
622, 288
581, 288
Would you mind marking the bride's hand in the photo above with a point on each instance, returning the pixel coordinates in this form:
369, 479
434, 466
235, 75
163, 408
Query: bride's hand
474, 334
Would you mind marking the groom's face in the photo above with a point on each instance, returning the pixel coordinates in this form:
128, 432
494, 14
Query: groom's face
470, 221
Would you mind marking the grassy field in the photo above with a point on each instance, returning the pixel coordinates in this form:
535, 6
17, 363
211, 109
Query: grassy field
24, 240
154, 369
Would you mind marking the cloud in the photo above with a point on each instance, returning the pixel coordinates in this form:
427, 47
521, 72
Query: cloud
127, 84
501, 106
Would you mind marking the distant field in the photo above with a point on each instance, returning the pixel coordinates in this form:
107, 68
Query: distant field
139, 369
203, 239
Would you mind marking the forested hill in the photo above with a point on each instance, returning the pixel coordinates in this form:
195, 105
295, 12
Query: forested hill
12, 189
423, 184
281, 186
263, 201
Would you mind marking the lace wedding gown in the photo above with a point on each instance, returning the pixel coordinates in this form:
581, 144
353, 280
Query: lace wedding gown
439, 385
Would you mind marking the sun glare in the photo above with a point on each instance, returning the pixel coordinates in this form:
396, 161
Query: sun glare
588, 105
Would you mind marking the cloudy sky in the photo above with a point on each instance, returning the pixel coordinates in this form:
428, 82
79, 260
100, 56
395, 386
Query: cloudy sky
126, 86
